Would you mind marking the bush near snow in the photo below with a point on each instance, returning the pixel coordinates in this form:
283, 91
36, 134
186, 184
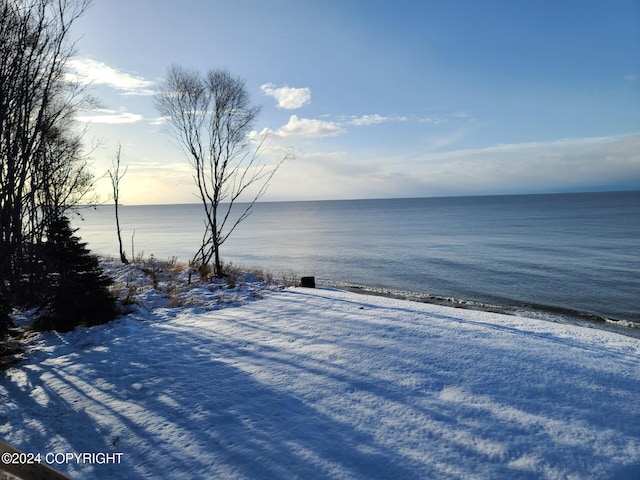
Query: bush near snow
74, 289
5, 320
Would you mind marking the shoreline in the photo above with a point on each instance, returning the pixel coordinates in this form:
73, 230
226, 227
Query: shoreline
548, 313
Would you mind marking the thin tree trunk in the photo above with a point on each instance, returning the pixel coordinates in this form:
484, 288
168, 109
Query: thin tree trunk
123, 257
218, 263
114, 173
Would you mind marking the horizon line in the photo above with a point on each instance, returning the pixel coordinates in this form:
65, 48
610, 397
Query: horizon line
478, 195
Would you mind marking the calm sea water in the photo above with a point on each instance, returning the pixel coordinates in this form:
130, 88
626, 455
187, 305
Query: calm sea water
559, 254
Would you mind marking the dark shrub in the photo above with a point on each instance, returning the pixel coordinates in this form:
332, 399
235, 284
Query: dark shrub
75, 292
5, 319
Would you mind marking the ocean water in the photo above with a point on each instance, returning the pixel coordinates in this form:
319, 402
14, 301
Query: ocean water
575, 255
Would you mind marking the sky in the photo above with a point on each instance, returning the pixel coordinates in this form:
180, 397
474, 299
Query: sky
377, 99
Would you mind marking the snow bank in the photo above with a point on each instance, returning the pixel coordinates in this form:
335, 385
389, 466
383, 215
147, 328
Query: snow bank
328, 384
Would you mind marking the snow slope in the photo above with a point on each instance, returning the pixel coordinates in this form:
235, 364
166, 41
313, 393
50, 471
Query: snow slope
308, 384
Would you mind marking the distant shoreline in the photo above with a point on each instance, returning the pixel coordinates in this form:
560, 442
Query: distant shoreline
549, 313
538, 312
383, 199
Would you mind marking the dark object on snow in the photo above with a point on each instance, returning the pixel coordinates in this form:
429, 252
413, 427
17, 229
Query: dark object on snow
308, 282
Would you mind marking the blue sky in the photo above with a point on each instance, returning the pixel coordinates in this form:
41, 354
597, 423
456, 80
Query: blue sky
379, 98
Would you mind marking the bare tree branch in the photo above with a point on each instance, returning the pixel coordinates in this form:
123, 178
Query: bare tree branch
211, 117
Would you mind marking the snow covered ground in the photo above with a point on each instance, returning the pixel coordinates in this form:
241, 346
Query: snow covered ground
258, 383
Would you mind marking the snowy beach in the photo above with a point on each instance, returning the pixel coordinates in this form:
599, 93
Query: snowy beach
217, 261
258, 382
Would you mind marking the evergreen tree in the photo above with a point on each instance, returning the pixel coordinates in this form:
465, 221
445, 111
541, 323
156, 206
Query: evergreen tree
75, 291
5, 319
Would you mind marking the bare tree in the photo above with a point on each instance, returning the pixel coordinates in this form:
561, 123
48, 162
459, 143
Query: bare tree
39, 155
61, 180
43, 173
211, 117
116, 176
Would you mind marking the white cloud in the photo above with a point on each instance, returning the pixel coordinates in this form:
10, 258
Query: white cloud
88, 71
288, 98
448, 118
375, 119
159, 120
631, 78
111, 117
314, 128
565, 165
308, 128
